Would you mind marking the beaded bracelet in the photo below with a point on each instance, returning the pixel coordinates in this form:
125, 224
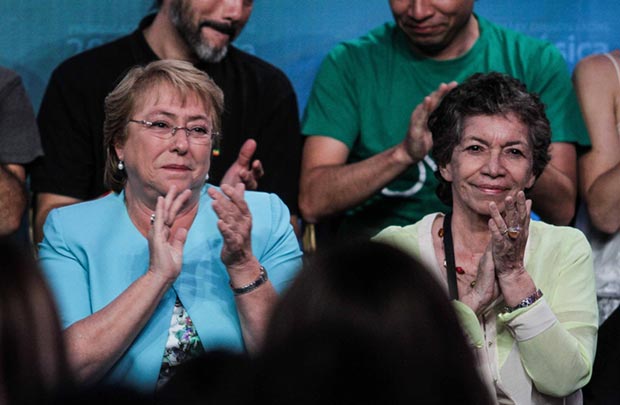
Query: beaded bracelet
262, 278
525, 302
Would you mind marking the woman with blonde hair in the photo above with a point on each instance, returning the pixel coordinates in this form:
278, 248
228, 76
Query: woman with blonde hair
166, 266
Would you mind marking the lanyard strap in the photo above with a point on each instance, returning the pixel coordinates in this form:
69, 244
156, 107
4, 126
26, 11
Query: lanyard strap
448, 248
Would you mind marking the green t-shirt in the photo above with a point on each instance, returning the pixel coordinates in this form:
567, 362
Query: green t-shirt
366, 89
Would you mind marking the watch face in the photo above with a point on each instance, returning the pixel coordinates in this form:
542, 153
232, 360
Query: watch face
526, 302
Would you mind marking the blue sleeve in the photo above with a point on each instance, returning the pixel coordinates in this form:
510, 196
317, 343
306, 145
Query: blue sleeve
66, 275
281, 255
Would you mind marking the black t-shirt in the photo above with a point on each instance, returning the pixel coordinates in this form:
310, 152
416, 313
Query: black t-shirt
259, 103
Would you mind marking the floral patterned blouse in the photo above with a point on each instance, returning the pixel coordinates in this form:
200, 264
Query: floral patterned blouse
183, 343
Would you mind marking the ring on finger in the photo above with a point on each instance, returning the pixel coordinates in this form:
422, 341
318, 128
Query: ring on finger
512, 231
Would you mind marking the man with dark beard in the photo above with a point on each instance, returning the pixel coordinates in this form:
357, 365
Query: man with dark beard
260, 125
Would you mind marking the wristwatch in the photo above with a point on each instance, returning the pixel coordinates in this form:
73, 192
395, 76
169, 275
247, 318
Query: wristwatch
525, 302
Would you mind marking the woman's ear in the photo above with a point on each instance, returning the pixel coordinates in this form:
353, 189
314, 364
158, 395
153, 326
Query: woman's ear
119, 149
530, 182
446, 172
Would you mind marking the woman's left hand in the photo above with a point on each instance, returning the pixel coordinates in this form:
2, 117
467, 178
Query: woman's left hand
509, 234
235, 224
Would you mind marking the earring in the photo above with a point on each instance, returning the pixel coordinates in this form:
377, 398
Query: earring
121, 165
207, 177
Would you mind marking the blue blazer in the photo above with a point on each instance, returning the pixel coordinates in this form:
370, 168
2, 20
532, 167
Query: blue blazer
92, 252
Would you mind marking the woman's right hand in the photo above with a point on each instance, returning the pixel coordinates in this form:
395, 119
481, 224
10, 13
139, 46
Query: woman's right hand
486, 288
166, 252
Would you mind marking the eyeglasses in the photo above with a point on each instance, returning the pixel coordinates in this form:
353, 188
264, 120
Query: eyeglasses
163, 130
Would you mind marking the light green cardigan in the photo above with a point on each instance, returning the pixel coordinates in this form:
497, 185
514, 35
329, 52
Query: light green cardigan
539, 354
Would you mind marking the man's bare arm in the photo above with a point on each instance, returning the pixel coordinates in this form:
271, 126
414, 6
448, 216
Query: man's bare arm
329, 185
44, 203
554, 195
13, 197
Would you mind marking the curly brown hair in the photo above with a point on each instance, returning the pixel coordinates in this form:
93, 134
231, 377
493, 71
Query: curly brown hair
487, 94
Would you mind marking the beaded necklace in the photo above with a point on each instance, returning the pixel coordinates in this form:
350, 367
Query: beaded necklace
445, 233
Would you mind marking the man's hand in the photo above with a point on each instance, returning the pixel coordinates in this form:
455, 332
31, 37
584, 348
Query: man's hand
330, 185
419, 140
244, 170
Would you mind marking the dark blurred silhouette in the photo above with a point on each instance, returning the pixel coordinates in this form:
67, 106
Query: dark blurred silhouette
217, 377
366, 323
33, 365
604, 387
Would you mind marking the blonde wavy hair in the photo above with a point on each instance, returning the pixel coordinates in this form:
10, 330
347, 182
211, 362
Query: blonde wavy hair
120, 104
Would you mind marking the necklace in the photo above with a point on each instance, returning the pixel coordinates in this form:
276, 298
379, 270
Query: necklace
445, 233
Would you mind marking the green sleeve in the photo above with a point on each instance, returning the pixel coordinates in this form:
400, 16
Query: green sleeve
558, 355
470, 324
403, 238
332, 109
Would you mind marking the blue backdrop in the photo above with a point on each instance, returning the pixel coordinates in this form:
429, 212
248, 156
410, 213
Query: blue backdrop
294, 35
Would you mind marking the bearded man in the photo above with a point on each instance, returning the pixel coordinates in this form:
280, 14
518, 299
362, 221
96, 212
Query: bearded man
260, 126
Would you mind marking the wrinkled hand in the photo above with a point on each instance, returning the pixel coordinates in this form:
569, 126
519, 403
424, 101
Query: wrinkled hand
486, 289
235, 224
244, 170
166, 252
508, 252
419, 140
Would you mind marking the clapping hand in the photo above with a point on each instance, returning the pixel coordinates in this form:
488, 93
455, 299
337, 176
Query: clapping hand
509, 234
485, 288
419, 141
166, 250
242, 171
235, 224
